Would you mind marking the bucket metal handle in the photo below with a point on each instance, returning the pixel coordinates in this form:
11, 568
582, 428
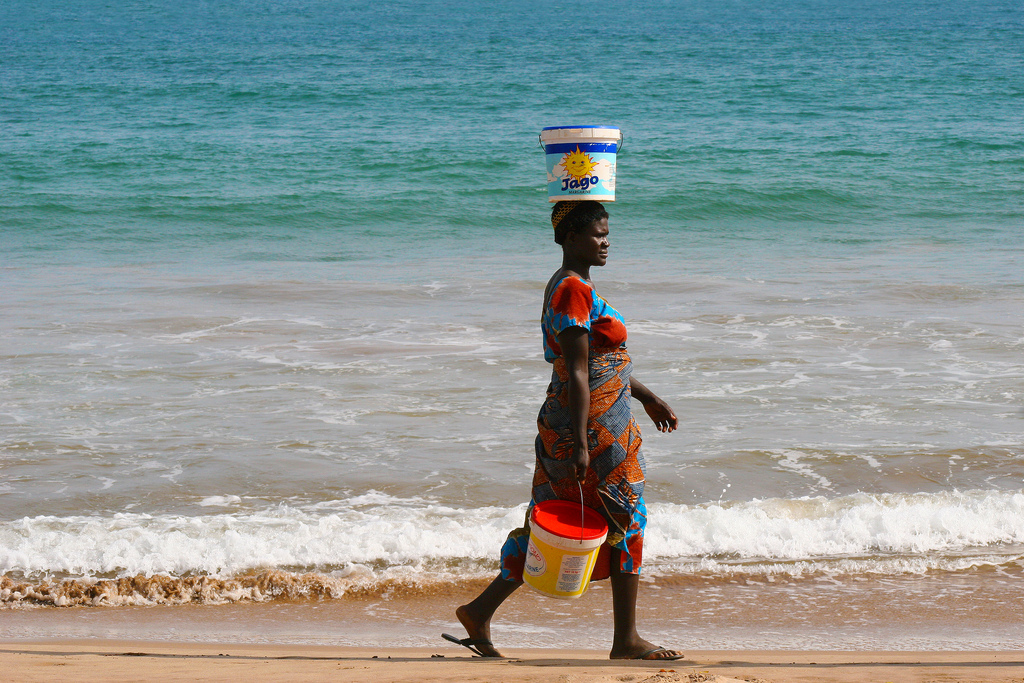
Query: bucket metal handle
583, 516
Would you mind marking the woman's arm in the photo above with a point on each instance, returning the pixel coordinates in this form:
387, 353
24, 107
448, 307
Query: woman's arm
659, 411
575, 345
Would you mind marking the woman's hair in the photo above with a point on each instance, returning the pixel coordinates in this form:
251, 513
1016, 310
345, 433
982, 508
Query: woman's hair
575, 216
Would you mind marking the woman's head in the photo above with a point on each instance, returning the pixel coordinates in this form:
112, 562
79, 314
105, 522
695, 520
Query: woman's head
575, 216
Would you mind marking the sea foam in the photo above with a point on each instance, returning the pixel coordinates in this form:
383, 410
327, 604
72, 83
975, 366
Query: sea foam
383, 535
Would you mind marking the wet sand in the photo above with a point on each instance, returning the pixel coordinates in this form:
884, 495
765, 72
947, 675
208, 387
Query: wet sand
735, 631
144, 661
938, 612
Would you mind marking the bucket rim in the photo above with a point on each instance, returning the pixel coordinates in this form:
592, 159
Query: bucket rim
570, 127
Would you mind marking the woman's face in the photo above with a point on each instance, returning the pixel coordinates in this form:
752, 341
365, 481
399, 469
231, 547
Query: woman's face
591, 246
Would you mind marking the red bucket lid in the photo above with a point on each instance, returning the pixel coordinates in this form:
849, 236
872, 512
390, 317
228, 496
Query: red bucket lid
562, 518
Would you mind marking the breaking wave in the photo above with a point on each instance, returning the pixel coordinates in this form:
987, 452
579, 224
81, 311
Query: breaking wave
379, 545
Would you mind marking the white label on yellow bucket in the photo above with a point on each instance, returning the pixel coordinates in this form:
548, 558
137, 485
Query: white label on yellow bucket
571, 575
535, 562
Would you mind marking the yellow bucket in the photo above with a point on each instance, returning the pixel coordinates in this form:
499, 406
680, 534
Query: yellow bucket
564, 541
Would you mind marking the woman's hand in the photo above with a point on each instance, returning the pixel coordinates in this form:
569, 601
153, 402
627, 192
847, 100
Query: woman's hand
580, 461
660, 412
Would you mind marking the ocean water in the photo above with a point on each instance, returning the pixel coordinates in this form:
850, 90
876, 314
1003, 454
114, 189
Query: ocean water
271, 278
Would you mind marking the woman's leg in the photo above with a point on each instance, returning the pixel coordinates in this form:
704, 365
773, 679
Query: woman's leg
476, 615
626, 642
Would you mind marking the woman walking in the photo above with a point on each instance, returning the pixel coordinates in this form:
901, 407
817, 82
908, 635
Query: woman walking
587, 436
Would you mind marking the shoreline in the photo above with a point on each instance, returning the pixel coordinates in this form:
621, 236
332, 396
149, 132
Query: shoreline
98, 659
932, 613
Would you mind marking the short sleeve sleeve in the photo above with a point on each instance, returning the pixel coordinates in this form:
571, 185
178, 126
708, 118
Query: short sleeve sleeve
570, 305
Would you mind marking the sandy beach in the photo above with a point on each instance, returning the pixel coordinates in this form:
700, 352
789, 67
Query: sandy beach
141, 661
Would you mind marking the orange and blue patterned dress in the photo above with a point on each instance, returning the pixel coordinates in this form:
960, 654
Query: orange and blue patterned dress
614, 485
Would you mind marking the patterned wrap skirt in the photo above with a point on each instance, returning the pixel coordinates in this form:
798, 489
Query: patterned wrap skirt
614, 484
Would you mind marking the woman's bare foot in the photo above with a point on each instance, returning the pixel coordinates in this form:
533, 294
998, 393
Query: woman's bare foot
643, 649
479, 629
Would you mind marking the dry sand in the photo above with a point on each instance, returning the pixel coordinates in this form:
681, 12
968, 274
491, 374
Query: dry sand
121, 661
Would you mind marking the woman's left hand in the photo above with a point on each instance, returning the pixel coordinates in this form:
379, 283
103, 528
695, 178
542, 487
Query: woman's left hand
660, 412
664, 419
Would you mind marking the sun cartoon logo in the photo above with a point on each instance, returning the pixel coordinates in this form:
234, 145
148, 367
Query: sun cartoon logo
578, 164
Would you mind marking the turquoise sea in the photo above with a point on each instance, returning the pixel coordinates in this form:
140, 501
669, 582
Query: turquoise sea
271, 276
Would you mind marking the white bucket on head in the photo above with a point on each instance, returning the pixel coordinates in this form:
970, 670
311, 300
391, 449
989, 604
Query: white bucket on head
581, 162
564, 541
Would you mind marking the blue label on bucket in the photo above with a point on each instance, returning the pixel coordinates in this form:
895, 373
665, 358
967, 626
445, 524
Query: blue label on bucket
580, 171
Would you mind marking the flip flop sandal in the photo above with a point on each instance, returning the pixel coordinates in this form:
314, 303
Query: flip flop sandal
647, 655
471, 644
